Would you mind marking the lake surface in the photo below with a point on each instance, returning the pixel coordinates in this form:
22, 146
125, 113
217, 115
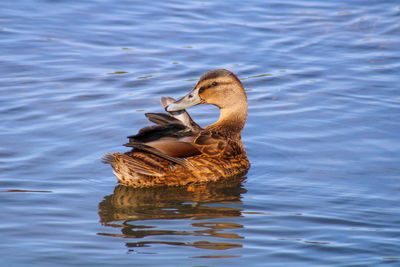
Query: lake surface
323, 132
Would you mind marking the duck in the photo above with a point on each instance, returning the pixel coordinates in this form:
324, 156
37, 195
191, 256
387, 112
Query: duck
176, 151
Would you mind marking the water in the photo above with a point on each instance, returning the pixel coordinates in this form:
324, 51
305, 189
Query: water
323, 133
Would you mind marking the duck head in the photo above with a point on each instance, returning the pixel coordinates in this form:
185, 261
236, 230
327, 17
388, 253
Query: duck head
220, 88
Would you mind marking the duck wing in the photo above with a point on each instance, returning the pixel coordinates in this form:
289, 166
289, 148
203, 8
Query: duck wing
170, 139
151, 158
145, 158
167, 141
158, 152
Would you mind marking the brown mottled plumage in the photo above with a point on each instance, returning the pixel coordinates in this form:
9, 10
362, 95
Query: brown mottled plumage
177, 151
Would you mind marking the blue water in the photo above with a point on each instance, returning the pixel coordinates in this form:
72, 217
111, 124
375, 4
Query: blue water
323, 132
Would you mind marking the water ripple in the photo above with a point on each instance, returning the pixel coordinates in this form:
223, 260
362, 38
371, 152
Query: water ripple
322, 133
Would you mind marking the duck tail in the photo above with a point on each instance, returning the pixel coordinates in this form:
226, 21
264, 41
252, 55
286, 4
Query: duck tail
126, 165
109, 158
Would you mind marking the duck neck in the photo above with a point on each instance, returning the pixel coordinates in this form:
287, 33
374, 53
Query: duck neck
231, 120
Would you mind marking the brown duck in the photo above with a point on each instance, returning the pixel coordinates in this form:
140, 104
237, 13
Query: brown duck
176, 151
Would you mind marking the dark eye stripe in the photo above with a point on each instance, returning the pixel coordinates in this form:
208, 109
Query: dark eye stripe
202, 89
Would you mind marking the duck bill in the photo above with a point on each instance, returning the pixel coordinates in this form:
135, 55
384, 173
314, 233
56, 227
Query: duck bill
188, 100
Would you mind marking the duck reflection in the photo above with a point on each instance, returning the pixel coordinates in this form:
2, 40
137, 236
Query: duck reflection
138, 211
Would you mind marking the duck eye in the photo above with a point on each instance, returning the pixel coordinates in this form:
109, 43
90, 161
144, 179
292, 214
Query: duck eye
214, 84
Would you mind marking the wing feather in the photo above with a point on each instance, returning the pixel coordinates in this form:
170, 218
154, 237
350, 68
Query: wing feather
154, 151
161, 118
